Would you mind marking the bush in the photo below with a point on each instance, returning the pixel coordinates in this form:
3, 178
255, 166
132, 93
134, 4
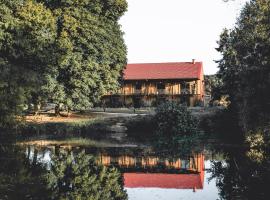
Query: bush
174, 123
141, 128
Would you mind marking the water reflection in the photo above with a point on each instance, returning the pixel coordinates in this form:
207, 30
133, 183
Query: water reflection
240, 176
65, 172
139, 167
20, 179
61, 174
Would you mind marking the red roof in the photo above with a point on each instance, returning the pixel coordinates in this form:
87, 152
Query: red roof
156, 71
176, 181
162, 180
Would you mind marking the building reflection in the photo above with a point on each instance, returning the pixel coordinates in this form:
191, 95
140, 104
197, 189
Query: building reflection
141, 168
159, 172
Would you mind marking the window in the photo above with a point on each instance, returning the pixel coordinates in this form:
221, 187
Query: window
138, 86
161, 86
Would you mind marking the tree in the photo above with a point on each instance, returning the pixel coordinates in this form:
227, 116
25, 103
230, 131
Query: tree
245, 65
213, 86
27, 37
66, 52
91, 54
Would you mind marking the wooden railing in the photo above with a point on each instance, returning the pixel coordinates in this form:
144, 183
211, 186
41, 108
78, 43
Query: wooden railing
156, 92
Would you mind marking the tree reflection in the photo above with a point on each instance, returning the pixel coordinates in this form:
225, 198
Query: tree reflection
241, 177
187, 146
68, 176
78, 177
20, 179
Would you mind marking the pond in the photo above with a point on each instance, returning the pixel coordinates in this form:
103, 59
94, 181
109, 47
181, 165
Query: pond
64, 171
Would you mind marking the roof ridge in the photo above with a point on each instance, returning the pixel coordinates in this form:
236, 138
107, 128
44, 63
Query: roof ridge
200, 62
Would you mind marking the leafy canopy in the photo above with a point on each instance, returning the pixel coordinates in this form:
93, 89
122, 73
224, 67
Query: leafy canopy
27, 37
63, 51
245, 65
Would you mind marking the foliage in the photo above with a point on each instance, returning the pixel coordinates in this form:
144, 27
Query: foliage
62, 129
239, 176
211, 82
78, 177
66, 176
258, 142
245, 65
19, 178
141, 128
91, 52
27, 35
174, 123
69, 52
223, 125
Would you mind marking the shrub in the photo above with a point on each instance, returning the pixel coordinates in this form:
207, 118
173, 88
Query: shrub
174, 123
141, 128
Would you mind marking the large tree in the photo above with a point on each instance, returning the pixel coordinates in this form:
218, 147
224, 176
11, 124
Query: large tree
63, 51
91, 54
27, 38
245, 65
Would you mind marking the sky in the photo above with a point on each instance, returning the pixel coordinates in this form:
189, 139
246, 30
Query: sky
209, 191
177, 30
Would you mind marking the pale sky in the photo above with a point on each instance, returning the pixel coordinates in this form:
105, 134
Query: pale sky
177, 30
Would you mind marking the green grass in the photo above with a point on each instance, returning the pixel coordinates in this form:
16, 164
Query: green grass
60, 128
69, 142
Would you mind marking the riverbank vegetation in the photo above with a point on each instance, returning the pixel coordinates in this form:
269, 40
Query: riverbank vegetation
174, 123
244, 72
171, 126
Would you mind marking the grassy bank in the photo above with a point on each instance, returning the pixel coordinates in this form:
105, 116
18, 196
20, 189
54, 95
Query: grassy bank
87, 124
71, 142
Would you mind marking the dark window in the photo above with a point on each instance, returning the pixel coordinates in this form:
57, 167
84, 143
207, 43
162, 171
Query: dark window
161, 86
138, 86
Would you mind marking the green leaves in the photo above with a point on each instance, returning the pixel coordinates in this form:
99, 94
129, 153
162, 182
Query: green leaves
27, 42
62, 51
92, 54
245, 65
174, 122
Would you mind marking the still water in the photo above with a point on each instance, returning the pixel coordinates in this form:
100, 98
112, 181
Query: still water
74, 172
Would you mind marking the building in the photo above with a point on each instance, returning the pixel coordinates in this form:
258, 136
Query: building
146, 84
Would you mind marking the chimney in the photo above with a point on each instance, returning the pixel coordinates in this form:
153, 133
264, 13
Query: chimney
193, 61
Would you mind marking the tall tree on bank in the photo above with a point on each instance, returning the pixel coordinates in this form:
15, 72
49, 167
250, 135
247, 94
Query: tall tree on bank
245, 65
69, 52
91, 54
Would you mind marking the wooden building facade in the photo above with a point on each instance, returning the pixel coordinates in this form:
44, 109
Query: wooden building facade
147, 84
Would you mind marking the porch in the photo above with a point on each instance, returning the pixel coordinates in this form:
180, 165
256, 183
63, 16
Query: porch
138, 100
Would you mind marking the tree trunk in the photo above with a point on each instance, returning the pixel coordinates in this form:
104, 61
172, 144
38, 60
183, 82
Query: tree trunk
57, 110
36, 108
68, 112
